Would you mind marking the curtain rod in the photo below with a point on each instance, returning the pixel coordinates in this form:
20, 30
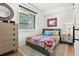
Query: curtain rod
27, 9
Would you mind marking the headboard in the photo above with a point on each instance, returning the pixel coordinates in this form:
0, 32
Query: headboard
51, 30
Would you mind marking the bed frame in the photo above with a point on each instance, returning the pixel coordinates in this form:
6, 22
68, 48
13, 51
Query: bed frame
74, 29
51, 30
39, 48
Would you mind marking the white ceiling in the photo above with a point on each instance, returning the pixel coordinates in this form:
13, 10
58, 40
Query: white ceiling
47, 6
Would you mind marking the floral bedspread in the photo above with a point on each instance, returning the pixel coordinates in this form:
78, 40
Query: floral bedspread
47, 42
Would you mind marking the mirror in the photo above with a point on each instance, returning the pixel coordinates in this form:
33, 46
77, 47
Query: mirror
6, 12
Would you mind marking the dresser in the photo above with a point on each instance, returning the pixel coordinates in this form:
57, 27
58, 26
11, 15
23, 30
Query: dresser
8, 37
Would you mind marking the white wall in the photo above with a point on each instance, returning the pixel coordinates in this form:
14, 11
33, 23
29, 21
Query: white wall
64, 15
14, 6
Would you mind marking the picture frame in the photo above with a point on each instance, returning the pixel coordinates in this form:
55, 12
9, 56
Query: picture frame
52, 22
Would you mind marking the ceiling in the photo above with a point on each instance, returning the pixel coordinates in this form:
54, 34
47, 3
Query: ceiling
47, 6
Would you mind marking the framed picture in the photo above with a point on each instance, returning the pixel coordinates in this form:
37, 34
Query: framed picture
52, 22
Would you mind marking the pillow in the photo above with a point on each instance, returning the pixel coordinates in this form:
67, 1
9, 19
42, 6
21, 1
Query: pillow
48, 33
55, 33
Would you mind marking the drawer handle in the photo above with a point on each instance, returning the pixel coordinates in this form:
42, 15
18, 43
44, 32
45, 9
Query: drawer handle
13, 39
14, 29
13, 44
14, 34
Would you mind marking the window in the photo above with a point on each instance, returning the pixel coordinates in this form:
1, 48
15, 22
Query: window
26, 18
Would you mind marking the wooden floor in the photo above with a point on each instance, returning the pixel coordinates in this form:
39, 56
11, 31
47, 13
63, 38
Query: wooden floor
69, 52
12, 53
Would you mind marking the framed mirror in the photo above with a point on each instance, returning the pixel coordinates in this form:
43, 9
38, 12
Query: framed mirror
6, 12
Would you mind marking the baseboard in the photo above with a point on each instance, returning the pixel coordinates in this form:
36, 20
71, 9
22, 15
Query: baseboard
21, 52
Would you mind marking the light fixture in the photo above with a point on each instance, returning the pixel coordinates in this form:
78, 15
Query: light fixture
74, 15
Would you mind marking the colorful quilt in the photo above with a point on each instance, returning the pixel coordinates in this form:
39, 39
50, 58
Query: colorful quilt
47, 42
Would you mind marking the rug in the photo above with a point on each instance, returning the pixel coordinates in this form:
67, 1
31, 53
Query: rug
59, 50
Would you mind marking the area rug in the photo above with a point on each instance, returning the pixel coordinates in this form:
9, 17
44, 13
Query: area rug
59, 50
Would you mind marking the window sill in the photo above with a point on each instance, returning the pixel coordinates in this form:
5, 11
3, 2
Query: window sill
22, 30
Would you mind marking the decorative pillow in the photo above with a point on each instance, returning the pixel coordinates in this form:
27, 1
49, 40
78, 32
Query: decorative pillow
55, 33
48, 33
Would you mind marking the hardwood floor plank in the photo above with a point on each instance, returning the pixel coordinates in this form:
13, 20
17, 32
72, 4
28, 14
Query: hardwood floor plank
70, 50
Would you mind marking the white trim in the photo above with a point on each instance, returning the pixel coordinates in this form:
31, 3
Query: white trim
21, 52
27, 30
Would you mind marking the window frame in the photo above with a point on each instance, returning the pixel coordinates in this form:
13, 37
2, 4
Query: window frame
30, 11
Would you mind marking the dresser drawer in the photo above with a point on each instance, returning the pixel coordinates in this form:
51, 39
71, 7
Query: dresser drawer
3, 39
6, 49
6, 43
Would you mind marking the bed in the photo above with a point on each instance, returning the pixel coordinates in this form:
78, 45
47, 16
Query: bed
45, 42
